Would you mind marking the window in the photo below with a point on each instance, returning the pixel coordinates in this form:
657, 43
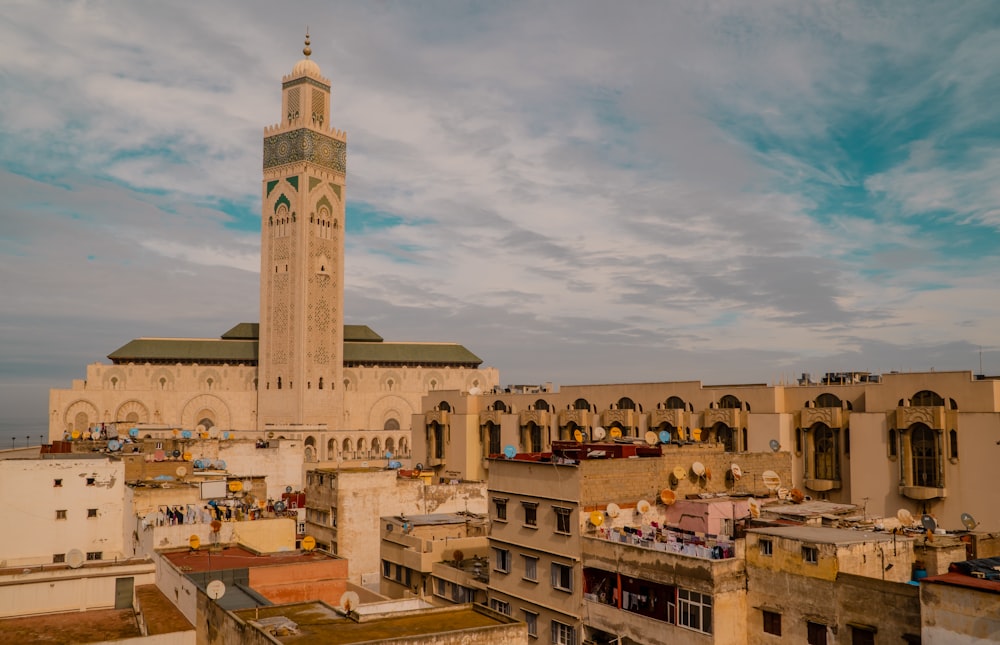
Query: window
562, 519
530, 568
772, 622
923, 443
562, 576
810, 554
501, 560
694, 610
91, 512
826, 466
500, 606
862, 635
500, 506
57, 483
91, 481
531, 620
892, 443
58, 557
563, 634
95, 555
766, 547
386, 569
61, 514
815, 633
530, 513
953, 444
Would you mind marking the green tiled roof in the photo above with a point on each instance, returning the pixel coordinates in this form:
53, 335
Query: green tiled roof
239, 345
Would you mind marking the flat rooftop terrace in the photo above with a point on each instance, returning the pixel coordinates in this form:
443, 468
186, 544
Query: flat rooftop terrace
234, 557
99, 625
320, 623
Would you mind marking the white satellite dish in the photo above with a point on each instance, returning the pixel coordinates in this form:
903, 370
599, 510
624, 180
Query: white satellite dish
215, 589
613, 510
599, 433
642, 507
969, 522
698, 468
75, 558
651, 438
771, 480
736, 471
754, 507
349, 601
475, 391
213, 433
181, 471
905, 517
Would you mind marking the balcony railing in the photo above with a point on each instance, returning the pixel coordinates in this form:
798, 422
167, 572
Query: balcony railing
675, 541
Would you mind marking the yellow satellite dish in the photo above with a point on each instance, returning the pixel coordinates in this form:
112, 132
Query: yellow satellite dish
235, 485
578, 436
696, 434
667, 496
616, 433
680, 472
75, 434
596, 518
194, 541
308, 543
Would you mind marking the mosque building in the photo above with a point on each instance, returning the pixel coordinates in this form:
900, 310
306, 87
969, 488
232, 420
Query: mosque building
301, 371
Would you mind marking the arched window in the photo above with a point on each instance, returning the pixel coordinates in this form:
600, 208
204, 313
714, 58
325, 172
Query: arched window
923, 444
828, 400
390, 444
444, 406
390, 424
500, 406
347, 446
675, 403
376, 448
541, 404
437, 439
729, 402
626, 403
826, 463
362, 447
331, 448
320, 383
581, 404
926, 399
493, 432
279, 382
726, 436
953, 444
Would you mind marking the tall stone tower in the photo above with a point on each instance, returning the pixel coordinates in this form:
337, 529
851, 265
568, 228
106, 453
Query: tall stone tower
300, 375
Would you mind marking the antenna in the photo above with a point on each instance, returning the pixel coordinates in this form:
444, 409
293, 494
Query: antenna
75, 558
349, 601
969, 522
613, 510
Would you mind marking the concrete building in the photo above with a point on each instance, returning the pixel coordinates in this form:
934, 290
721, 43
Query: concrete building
348, 392
580, 549
344, 507
435, 556
923, 442
962, 606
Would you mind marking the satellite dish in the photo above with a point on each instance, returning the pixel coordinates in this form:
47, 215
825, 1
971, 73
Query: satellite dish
642, 507
509, 452
736, 471
905, 517
651, 438
395, 465
782, 493
696, 434
667, 496
235, 486
75, 434
475, 391
708, 472
771, 479
613, 510
95, 435
216, 589
186, 434
194, 542
969, 522
133, 432
114, 445
388, 454
308, 543
213, 433
158, 455
225, 435
220, 464
201, 428
349, 601
596, 518
75, 558
181, 471
679, 472
664, 436
600, 433
698, 468
796, 495
616, 433
176, 454
578, 436
754, 507
928, 523
775, 445
288, 489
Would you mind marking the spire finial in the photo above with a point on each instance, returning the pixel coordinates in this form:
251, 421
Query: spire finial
307, 50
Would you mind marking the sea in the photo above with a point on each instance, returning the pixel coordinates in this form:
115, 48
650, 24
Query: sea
18, 433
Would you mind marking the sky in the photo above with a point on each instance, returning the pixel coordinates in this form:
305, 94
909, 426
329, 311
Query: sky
578, 192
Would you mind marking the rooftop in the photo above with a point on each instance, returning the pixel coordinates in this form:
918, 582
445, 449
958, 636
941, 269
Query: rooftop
315, 622
982, 574
825, 535
234, 557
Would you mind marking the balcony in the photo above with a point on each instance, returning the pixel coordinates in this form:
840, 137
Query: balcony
932, 416
822, 485
626, 418
539, 417
831, 417
731, 417
579, 417
486, 416
665, 540
440, 416
676, 418
922, 493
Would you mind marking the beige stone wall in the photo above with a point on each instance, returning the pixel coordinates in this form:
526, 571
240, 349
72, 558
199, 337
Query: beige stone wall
953, 615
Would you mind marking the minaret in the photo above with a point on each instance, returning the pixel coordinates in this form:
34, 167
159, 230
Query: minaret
300, 373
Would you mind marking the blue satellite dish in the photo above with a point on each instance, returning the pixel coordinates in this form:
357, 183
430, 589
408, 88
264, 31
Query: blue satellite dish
186, 434
509, 451
225, 435
114, 445
664, 436
395, 465
279, 506
134, 432
388, 454
221, 465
